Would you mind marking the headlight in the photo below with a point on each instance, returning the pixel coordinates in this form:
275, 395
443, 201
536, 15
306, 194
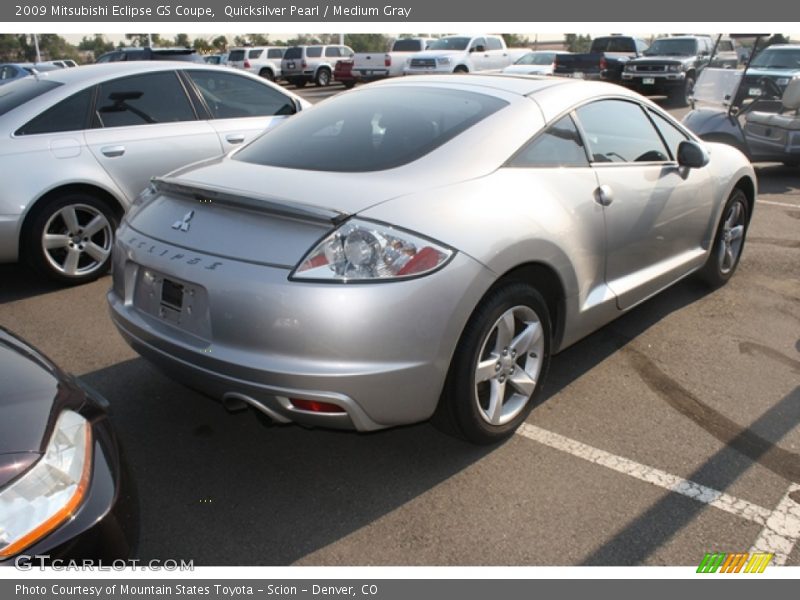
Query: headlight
51, 491
443, 61
630, 67
364, 251
675, 68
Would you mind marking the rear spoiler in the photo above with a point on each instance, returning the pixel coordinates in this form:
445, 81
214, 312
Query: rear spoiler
257, 202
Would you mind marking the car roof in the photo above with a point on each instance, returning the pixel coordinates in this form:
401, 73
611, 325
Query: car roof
782, 47
89, 74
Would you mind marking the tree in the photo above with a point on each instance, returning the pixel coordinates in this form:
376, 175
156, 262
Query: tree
182, 40
577, 43
97, 44
251, 39
366, 42
140, 39
514, 40
10, 47
220, 43
202, 45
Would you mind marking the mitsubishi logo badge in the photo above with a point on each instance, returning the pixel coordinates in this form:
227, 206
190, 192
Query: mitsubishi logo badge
183, 224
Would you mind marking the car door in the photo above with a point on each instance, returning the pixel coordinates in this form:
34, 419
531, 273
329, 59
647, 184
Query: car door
498, 55
656, 213
239, 107
479, 58
145, 126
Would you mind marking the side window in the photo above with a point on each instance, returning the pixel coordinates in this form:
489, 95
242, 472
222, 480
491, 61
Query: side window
314, 51
71, 114
275, 53
560, 145
478, 42
671, 134
347, 51
6, 73
230, 96
332, 51
254, 53
609, 141
494, 43
143, 100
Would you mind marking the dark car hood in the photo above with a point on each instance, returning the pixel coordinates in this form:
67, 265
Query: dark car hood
677, 60
32, 393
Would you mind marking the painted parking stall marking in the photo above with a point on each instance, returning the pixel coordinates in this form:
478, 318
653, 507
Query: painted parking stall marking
781, 526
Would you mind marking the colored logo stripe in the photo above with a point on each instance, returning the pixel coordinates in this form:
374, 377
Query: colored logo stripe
735, 562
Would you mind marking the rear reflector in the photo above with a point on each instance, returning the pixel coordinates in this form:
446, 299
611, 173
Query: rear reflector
316, 406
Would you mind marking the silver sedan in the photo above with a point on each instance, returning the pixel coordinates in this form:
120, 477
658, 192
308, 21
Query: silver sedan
78, 145
421, 247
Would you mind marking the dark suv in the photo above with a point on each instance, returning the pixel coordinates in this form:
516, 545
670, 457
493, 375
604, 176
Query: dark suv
148, 53
669, 67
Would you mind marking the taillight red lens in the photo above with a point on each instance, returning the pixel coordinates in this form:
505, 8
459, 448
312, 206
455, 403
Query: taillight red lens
303, 64
387, 61
603, 64
247, 64
316, 406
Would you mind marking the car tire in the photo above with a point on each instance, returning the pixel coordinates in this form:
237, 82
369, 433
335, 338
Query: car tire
348, 85
460, 70
299, 83
267, 74
323, 77
69, 238
728, 241
682, 95
498, 367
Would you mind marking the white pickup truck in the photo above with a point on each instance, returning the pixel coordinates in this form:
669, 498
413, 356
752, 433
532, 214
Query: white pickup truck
462, 54
369, 66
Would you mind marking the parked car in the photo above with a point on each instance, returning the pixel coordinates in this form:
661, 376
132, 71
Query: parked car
62, 63
82, 143
423, 247
148, 53
605, 60
217, 59
13, 71
343, 73
538, 62
725, 53
462, 54
264, 61
65, 489
303, 64
750, 110
779, 64
669, 67
371, 66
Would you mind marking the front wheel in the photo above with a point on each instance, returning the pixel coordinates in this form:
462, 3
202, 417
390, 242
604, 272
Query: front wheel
70, 238
498, 366
683, 95
728, 242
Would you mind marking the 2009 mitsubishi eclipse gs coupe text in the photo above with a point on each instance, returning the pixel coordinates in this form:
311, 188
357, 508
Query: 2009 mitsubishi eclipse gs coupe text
421, 247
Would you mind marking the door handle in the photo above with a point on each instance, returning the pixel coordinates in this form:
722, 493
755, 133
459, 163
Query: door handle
604, 195
113, 151
235, 138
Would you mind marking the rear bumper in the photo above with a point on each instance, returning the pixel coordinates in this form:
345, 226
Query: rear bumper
380, 352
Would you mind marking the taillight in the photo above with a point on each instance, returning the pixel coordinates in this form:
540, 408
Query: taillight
603, 64
316, 406
387, 61
303, 63
246, 64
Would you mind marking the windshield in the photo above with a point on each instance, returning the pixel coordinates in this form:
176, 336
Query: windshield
716, 86
672, 47
18, 92
372, 130
537, 58
450, 43
773, 58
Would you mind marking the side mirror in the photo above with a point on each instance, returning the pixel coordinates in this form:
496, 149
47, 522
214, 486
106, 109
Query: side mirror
692, 155
478, 48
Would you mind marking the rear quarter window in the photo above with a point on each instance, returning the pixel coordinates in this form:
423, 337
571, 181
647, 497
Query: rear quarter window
16, 93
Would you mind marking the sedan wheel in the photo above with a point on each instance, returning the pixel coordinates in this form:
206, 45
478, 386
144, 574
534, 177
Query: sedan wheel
70, 239
728, 242
498, 366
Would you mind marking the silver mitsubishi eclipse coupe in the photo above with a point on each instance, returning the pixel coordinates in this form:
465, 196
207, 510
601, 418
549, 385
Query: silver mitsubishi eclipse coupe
421, 247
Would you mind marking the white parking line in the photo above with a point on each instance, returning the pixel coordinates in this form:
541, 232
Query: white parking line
701, 493
782, 529
784, 204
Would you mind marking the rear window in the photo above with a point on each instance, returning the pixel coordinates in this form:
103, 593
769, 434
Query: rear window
19, 92
372, 130
236, 55
294, 52
407, 46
